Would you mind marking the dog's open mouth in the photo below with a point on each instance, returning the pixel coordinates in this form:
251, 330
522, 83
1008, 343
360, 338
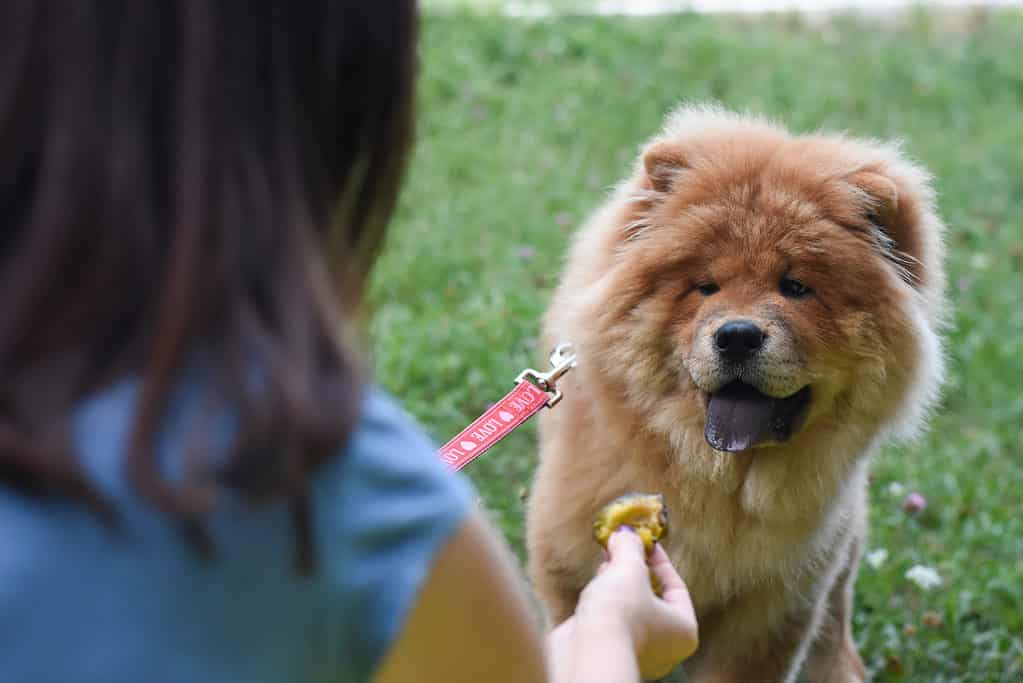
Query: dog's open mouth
739, 417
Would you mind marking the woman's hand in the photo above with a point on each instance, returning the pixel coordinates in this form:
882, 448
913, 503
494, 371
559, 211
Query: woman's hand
619, 604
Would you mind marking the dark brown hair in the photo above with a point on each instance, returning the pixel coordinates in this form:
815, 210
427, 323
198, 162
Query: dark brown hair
175, 179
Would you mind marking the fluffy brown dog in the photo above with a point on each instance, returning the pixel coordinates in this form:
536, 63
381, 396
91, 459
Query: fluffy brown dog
754, 314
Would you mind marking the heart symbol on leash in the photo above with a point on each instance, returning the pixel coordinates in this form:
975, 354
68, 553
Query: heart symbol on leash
468, 445
506, 416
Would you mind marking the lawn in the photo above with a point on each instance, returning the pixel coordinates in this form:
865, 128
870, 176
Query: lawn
523, 125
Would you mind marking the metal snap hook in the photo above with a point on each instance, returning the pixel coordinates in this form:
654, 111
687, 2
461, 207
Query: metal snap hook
562, 359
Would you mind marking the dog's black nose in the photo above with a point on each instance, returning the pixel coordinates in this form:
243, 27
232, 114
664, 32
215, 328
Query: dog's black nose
738, 340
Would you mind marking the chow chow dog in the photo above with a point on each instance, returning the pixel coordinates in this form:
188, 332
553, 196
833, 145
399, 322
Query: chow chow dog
755, 313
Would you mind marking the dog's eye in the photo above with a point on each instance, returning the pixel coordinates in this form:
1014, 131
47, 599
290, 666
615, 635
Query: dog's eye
707, 288
793, 289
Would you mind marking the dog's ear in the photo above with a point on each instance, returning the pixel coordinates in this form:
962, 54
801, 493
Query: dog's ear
882, 198
663, 161
896, 211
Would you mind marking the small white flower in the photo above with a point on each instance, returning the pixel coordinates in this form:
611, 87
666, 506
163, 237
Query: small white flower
896, 489
925, 577
875, 558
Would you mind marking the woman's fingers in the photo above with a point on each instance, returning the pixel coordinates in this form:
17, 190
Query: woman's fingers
625, 545
673, 589
678, 606
661, 565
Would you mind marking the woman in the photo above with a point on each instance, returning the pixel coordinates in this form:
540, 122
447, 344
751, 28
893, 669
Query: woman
196, 481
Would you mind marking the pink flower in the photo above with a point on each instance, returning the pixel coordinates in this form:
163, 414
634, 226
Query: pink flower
914, 503
525, 252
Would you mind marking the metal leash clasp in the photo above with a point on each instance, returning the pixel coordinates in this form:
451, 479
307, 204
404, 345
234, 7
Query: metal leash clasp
562, 360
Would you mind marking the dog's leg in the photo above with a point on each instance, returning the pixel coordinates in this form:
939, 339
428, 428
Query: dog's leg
732, 657
557, 559
833, 657
562, 555
773, 667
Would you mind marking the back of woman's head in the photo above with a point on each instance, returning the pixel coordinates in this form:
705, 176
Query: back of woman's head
176, 178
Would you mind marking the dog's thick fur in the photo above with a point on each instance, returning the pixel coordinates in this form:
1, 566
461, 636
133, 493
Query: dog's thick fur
768, 539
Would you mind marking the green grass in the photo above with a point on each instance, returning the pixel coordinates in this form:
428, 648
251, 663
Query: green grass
524, 125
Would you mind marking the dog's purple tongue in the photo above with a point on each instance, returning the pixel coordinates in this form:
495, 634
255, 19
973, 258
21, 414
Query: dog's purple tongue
738, 416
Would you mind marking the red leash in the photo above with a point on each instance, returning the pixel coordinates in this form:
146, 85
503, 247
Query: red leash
534, 391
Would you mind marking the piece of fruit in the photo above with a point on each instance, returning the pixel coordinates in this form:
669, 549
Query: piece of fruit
645, 513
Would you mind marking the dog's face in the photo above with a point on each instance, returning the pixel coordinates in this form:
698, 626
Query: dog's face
747, 345
765, 284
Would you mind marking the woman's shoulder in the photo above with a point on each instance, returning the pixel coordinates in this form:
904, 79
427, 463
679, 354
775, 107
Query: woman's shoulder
385, 508
389, 481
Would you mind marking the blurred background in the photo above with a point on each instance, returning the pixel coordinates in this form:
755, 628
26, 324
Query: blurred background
654, 7
529, 112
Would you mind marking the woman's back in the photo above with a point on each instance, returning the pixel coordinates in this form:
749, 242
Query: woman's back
88, 603
191, 178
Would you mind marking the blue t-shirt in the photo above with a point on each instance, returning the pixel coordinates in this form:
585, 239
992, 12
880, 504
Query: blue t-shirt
81, 604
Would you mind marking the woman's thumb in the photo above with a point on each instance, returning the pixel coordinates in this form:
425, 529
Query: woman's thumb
625, 544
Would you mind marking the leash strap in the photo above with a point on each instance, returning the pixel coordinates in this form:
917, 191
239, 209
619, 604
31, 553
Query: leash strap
533, 391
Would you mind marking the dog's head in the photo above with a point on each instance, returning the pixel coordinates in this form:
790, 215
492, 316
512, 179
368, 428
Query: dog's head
763, 283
